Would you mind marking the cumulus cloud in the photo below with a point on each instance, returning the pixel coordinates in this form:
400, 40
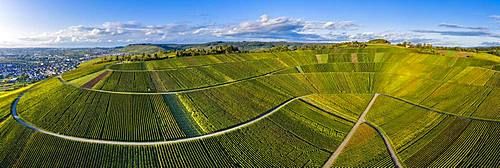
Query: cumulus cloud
457, 26
265, 28
284, 28
111, 32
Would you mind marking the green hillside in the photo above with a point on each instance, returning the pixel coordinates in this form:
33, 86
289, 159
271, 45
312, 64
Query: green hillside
379, 105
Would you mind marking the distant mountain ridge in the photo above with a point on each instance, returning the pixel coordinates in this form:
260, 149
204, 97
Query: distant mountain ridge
242, 45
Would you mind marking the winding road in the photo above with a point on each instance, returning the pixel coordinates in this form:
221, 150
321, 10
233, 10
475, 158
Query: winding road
216, 133
360, 121
328, 163
80, 139
387, 143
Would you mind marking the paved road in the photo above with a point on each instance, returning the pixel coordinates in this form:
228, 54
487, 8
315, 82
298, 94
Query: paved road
361, 120
387, 143
80, 139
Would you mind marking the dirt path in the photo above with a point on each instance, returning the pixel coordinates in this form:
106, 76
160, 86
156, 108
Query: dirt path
361, 119
94, 81
354, 57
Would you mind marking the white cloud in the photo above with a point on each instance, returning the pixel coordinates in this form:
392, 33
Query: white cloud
109, 32
265, 28
284, 28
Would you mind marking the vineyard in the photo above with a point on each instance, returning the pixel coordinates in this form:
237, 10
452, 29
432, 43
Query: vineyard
378, 106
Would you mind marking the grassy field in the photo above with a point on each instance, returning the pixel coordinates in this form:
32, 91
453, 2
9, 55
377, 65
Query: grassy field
279, 109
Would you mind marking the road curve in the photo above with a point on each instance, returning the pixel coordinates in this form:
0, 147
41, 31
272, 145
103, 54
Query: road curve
344, 143
388, 145
346, 140
111, 142
329, 162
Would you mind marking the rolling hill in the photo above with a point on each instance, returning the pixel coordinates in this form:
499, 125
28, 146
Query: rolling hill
380, 105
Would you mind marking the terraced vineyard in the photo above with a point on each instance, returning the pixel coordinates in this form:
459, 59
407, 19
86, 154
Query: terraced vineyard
381, 105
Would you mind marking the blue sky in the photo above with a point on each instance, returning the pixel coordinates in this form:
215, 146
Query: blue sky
63, 23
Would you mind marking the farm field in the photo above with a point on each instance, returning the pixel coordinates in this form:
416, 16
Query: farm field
378, 106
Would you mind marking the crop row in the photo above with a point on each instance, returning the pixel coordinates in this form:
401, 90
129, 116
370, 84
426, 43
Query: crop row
291, 58
425, 138
221, 107
348, 106
195, 61
129, 66
298, 135
460, 143
188, 78
212, 75
467, 100
105, 116
129, 82
365, 149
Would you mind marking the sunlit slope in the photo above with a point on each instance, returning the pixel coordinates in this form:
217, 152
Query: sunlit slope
288, 109
425, 137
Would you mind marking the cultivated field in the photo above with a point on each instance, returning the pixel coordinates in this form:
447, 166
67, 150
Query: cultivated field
381, 106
